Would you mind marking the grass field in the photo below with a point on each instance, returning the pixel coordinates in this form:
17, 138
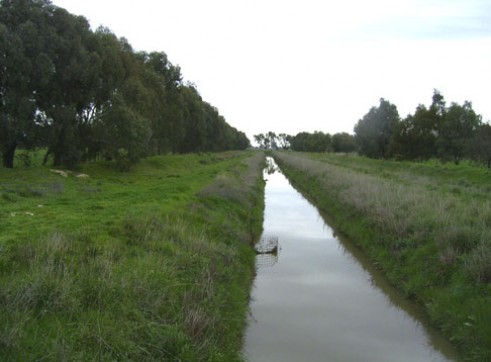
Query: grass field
426, 225
152, 264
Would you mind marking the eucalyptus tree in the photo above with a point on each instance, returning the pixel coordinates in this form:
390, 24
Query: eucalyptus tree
241, 142
415, 136
193, 121
479, 147
311, 142
282, 140
261, 140
268, 140
127, 120
69, 95
459, 126
90, 95
168, 125
374, 131
108, 63
437, 131
25, 68
299, 141
218, 134
343, 142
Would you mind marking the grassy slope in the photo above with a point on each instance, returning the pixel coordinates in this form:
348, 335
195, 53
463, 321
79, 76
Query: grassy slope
154, 264
427, 225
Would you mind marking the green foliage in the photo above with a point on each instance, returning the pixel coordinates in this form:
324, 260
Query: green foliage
374, 131
152, 264
479, 147
307, 142
415, 137
311, 142
271, 140
87, 95
447, 133
458, 127
24, 68
343, 142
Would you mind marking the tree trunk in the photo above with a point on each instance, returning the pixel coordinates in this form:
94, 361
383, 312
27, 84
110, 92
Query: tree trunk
8, 154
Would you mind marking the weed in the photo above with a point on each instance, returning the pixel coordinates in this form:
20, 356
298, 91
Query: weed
461, 239
478, 263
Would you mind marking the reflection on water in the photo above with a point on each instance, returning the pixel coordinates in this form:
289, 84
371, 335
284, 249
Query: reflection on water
271, 167
266, 260
321, 301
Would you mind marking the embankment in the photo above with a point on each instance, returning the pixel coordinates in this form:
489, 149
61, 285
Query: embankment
427, 227
153, 264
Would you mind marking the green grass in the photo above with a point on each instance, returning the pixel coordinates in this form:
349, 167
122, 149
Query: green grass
153, 264
426, 225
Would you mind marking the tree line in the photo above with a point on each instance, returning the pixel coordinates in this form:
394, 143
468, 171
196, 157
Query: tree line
87, 95
307, 142
448, 133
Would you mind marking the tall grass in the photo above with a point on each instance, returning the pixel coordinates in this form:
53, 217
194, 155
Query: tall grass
154, 265
434, 243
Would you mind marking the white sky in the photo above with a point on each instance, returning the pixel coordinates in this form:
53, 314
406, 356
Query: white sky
306, 65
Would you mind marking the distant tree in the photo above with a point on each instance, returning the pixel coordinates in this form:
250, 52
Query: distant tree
438, 104
167, 121
374, 131
311, 142
415, 137
193, 120
260, 140
204, 128
240, 140
273, 144
458, 127
318, 142
299, 141
343, 142
283, 141
479, 147
267, 140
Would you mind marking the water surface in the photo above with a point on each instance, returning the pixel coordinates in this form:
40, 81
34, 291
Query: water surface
319, 300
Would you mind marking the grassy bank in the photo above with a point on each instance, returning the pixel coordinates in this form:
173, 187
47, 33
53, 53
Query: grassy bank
153, 264
427, 226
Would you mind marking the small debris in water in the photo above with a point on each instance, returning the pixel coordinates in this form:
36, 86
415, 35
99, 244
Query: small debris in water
269, 246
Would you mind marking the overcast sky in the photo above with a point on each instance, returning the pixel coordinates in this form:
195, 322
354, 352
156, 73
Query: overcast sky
306, 65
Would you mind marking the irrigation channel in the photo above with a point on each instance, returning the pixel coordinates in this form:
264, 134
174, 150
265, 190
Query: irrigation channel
319, 299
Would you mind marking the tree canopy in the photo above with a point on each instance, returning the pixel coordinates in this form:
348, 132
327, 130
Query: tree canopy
438, 131
307, 142
86, 94
374, 131
449, 133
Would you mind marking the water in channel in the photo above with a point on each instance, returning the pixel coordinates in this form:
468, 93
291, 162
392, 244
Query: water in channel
319, 300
